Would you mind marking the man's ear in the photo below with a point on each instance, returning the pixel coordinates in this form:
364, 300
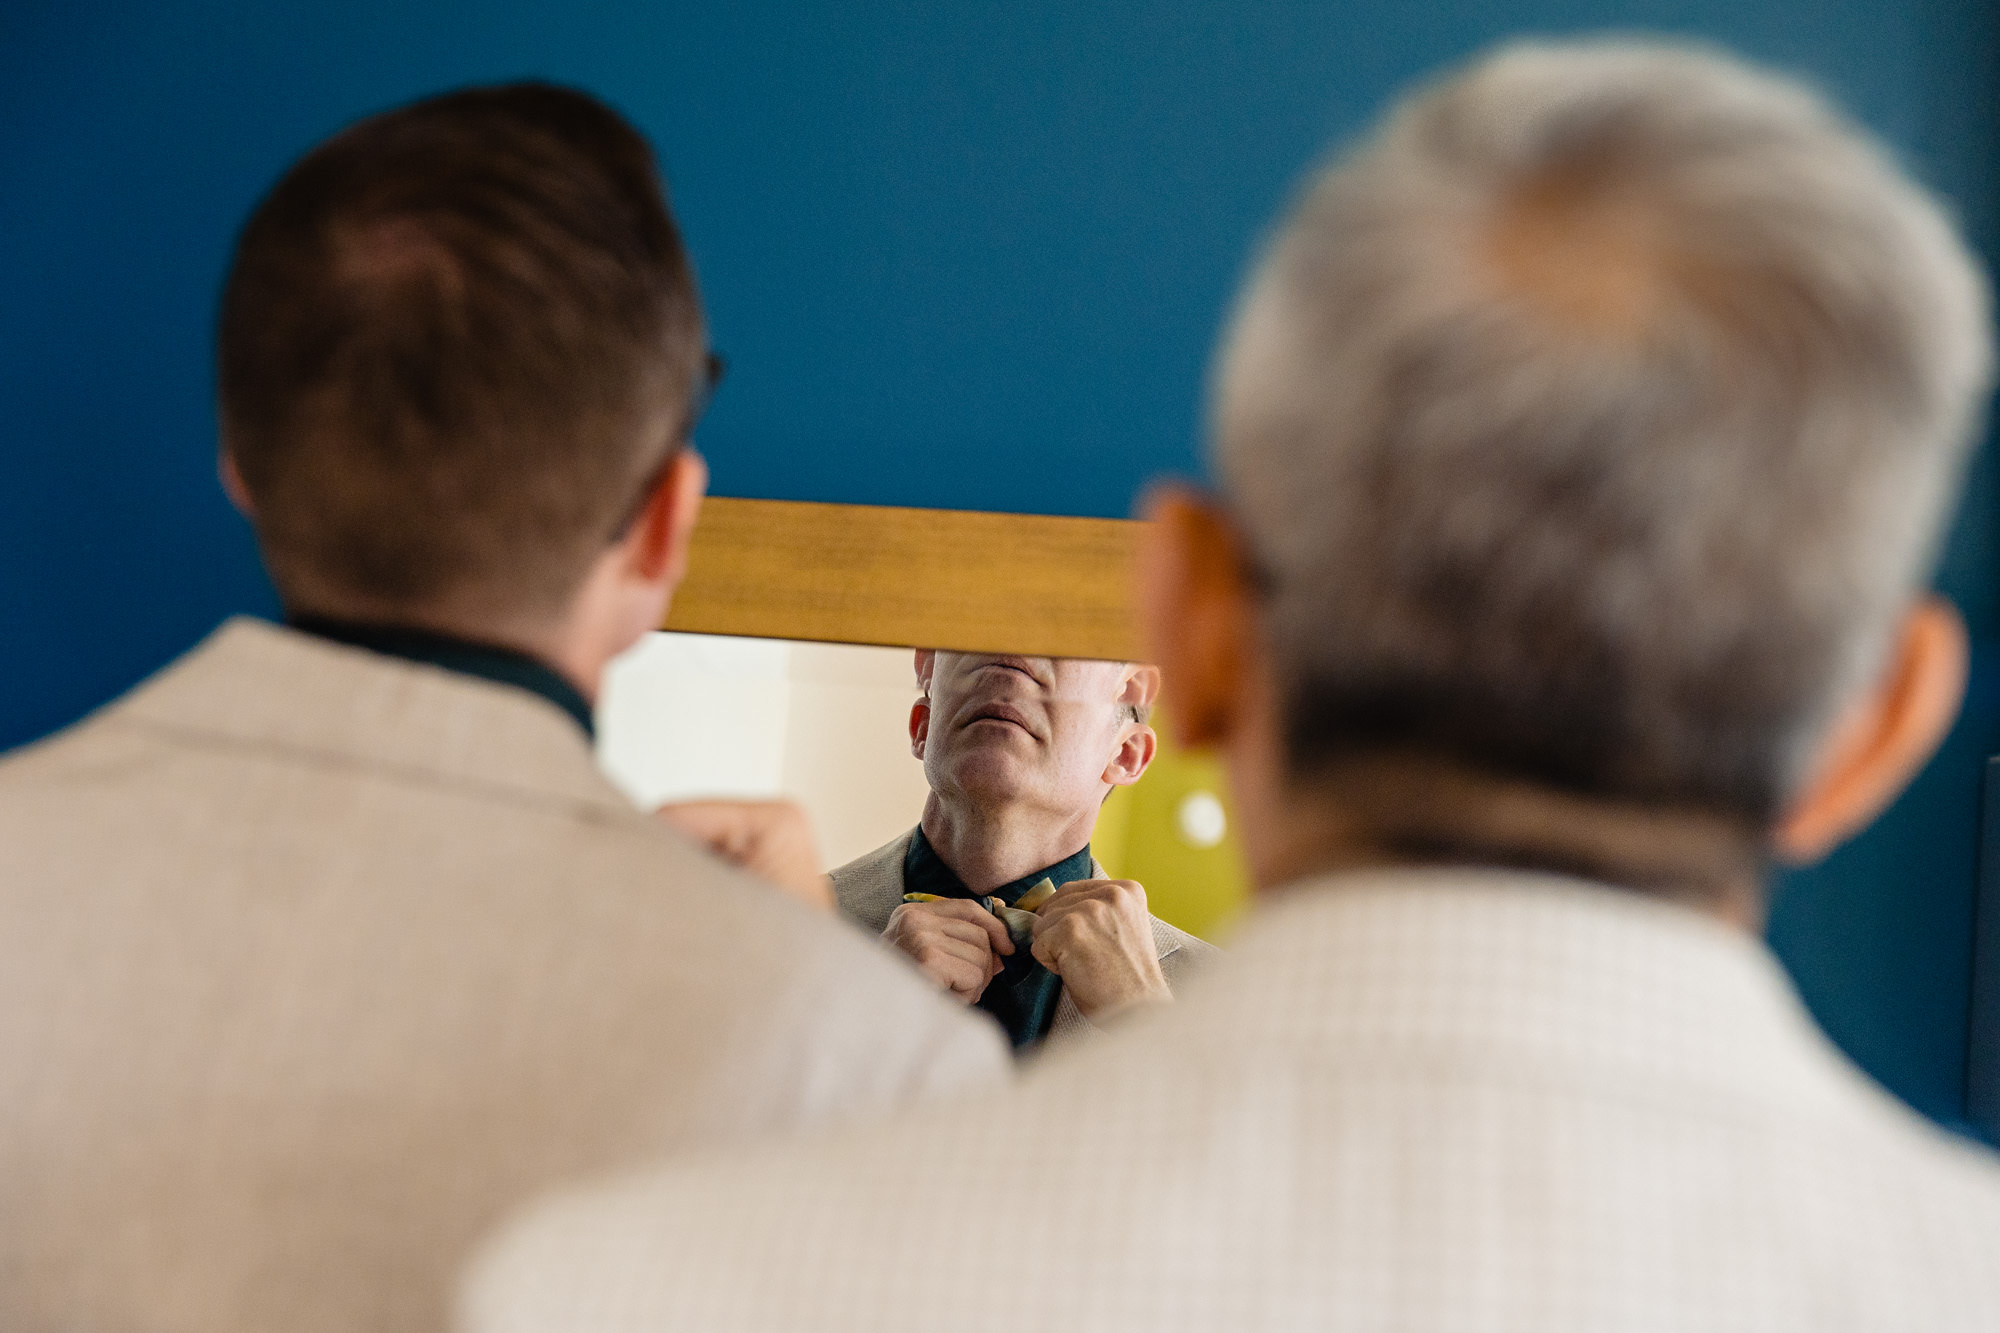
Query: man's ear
1134, 754
1137, 742
1140, 688
920, 711
232, 483
1196, 611
1882, 738
660, 538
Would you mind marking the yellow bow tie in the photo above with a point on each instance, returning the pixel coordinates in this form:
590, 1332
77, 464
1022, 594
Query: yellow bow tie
1019, 918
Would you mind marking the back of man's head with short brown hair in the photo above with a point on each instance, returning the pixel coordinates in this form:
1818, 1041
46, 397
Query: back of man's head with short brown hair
457, 342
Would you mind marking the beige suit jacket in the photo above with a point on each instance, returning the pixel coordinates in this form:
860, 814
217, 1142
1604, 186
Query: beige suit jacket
870, 887
1427, 1101
313, 961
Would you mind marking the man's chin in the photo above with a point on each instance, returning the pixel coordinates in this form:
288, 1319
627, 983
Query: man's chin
989, 773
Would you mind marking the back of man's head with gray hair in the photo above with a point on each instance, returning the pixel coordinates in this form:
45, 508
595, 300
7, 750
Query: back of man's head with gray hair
1594, 422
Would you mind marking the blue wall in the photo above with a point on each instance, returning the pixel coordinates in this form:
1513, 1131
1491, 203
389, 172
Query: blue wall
962, 255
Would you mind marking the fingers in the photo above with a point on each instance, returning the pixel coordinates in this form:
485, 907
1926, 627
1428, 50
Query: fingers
1058, 935
955, 967
954, 952
732, 825
1104, 902
913, 933
964, 909
1089, 920
1097, 937
711, 823
1048, 948
942, 953
771, 839
961, 980
814, 891
955, 929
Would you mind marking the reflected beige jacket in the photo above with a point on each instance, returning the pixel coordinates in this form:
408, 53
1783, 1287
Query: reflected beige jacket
313, 961
870, 887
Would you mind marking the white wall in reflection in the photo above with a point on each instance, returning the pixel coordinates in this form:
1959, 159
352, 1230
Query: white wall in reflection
691, 715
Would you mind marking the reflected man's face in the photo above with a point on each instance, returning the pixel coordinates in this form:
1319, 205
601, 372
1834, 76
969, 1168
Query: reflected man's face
1052, 732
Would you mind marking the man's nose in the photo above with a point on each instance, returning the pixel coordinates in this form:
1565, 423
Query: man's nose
1041, 668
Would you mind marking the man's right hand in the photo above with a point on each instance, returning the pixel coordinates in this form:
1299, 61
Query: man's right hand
771, 839
955, 942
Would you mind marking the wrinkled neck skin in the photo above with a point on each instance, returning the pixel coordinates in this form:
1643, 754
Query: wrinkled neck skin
1403, 810
997, 843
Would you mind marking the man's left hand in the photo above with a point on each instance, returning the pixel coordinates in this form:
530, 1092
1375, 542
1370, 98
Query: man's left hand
1096, 935
771, 839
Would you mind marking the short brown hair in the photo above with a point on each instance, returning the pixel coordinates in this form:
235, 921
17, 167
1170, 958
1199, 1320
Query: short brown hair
458, 340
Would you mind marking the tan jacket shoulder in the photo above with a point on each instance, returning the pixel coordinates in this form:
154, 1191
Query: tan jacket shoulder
321, 960
869, 888
1420, 1098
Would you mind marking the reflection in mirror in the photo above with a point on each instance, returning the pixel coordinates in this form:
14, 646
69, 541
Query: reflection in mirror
825, 724
1005, 760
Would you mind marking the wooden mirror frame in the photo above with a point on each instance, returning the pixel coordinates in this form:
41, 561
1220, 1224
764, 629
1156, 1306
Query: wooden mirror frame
933, 578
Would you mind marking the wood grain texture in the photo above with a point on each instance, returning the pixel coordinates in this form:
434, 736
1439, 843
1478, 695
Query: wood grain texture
934, 578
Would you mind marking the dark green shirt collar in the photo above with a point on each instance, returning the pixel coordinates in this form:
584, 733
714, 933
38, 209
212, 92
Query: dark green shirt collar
1023, 998
924, 871
487, 661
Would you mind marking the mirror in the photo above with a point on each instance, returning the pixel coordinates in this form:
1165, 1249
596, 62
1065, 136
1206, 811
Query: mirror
1022, 743
973, 809
686, 716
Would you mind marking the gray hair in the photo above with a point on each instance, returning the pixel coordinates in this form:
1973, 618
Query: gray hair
1594, 422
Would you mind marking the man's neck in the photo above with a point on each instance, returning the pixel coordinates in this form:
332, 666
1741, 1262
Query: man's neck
1395, 811
497, 663
987, 848
570, 656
